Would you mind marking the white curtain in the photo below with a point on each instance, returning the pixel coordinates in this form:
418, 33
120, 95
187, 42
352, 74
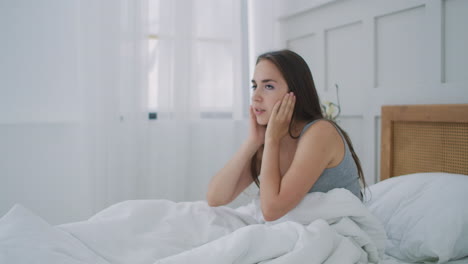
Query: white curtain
72, 127
196, 59
199, 88
114, 127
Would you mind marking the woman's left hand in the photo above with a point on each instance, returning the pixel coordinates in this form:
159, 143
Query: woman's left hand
280, 118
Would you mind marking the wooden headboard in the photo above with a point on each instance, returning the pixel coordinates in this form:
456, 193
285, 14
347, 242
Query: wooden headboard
424, 138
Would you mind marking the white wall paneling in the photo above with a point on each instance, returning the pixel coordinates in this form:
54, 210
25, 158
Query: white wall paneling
379, 52
353, 125
344, 65
287, 8
455, 38
400, 31
308, 46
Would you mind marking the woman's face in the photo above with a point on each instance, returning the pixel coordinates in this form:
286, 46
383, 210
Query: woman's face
268, 87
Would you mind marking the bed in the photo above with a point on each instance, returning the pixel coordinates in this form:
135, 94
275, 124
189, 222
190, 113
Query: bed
423, 193
417, 213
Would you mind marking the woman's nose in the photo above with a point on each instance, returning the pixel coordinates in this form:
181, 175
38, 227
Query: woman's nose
256, 96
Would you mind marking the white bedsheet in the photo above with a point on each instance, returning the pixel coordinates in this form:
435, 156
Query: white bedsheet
324, 228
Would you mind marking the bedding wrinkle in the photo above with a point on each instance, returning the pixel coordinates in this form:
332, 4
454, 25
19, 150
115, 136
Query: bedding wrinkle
333, 227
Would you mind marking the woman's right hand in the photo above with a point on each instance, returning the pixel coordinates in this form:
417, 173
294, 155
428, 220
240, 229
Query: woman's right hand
256, 131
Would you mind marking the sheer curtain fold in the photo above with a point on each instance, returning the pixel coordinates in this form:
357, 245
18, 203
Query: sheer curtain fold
195, 59
197, 86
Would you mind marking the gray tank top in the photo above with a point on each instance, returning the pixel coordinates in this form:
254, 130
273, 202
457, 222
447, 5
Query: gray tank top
344, 175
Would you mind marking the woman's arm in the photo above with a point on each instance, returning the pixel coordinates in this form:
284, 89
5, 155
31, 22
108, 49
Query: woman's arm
315, 151
231, 180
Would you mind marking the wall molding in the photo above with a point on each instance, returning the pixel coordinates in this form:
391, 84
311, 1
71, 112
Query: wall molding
325, 33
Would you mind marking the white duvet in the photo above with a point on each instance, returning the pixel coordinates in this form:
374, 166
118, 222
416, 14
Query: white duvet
333, 227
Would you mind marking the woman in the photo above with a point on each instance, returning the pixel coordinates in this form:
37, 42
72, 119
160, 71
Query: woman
291, 149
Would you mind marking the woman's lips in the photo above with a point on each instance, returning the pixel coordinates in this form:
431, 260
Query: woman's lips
259, 111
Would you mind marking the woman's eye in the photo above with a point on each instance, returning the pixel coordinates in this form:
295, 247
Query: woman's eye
254, 87
269, 86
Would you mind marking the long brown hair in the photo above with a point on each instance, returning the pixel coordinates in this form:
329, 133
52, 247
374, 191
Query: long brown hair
307, 108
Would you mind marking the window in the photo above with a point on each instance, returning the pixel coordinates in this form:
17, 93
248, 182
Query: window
193, 68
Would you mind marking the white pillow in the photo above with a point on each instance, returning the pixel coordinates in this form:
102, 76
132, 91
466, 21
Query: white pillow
425, 215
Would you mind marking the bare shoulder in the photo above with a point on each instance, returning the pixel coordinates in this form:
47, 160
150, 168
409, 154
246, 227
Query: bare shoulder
321, 139
321, 130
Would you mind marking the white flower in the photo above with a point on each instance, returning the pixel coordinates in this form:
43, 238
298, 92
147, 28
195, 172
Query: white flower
330, 110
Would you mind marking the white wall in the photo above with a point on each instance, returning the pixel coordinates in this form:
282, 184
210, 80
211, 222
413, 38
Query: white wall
379, 52
69, 106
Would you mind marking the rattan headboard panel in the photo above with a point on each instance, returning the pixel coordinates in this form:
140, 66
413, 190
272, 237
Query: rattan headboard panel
424, 138
429, 146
